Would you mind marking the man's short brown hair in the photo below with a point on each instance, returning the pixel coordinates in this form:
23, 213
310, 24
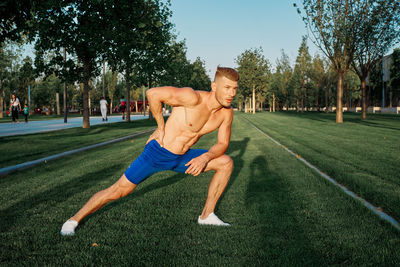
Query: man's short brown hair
229, 73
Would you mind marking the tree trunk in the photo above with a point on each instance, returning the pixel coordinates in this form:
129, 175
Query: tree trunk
128, 96
65, 92
254, 100
297, 103
364, 98
58, 103
317, 100
326, 100
302, 103
273, 102
136, 107
85, 97
111, 105
90, 106
1, 100
339, 101
150, 114
287, 102
104, 83
144, 102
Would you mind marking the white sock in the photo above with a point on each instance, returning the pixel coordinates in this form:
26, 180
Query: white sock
212, 219
68, 227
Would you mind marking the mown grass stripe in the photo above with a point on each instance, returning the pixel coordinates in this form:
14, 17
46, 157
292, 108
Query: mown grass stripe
6, 170
367, 204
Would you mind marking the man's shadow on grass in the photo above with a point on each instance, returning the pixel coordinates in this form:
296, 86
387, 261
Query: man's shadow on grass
22, 210
281, 234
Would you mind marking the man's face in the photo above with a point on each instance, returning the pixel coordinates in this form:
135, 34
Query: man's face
225, 90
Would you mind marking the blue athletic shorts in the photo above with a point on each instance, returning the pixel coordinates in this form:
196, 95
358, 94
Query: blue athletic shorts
155, 158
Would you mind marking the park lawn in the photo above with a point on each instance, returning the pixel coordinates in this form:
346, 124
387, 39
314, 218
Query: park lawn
363, 155
282, 214
22, 148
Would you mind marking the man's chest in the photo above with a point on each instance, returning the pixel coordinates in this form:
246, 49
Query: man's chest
201, 120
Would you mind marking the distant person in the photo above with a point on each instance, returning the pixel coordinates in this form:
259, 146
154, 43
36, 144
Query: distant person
26, 112
195, 114
103, 108
15, 107
122, 106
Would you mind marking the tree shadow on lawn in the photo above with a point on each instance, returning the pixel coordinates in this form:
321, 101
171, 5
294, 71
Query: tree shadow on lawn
238, 162
282, 240
377, 122
22, 210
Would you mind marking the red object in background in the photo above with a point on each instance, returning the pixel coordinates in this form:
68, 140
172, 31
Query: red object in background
38, 111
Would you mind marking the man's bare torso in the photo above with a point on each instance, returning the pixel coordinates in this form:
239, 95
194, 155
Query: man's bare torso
187, 124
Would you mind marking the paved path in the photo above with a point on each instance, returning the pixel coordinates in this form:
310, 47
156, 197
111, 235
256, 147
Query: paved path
10, 129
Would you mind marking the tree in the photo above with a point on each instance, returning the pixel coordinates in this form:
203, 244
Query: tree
303, 67
351, 88
378, 29
394, 82
43, 91
73, 25
177, 70
6, 59
331, 25
199, 79
112, 80
140, 29
318, 75
14, 16
26, 77
285, 74
254, 71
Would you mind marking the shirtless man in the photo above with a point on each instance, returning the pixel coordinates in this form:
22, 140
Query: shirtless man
195, 113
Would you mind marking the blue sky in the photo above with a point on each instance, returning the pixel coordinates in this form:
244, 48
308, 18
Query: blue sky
218, 31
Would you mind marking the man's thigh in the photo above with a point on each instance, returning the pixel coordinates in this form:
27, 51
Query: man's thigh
188, 156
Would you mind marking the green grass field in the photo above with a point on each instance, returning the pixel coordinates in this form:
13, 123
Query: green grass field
362, 155
20, 149
282, 213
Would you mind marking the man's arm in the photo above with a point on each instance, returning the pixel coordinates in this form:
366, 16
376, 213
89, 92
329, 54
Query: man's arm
171, 96
197, 165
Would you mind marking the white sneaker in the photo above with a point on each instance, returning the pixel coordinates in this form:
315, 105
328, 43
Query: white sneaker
212, 219
68, 227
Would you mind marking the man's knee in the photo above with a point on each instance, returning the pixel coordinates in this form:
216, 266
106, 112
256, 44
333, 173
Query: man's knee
119, 189
225, 163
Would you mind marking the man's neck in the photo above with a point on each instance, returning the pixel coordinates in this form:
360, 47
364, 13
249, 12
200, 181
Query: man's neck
212, 102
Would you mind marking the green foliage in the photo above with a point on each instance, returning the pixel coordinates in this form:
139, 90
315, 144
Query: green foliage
177, 69
137, 37
394, 82
377, 29
14, 16
254, 71
280, 80
303, 68
44, 91
199, 79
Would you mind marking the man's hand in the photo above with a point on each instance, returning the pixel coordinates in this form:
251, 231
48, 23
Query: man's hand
158, 134
197, 165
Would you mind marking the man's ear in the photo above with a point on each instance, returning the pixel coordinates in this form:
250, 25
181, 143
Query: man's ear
213, 86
